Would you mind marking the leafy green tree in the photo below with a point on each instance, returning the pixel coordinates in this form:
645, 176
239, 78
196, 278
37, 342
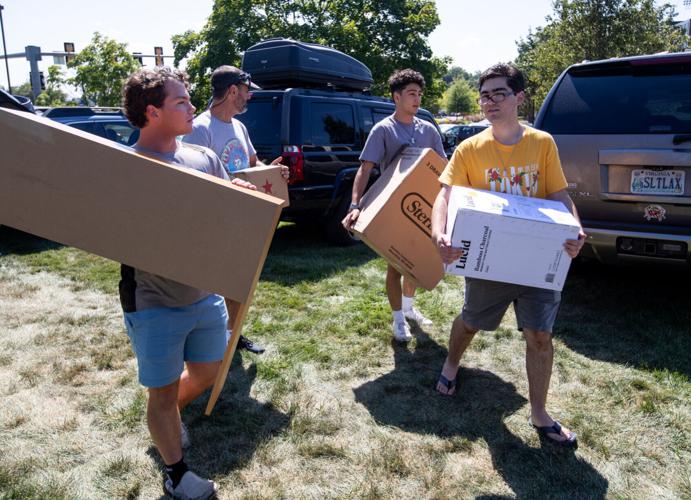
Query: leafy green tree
384, 34
456, 72
102, 67
24, 90
590, 30
53, 95
461, 97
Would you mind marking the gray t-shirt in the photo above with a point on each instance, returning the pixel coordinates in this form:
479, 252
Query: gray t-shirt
151, 290
230, 141
388, 137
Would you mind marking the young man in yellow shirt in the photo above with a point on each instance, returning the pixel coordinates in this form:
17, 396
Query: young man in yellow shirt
512, 158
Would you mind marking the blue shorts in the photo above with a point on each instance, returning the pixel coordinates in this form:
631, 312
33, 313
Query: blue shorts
163, 338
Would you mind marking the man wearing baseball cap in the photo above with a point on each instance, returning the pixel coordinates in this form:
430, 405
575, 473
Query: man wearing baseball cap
219, 130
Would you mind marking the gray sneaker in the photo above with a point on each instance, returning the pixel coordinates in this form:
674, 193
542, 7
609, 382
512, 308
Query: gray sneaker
401, 331
192, 487
414, 315
185, 442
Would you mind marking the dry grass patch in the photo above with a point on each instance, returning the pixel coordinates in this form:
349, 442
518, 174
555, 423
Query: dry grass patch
334, 408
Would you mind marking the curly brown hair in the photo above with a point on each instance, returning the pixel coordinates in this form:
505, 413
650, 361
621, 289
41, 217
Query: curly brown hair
402, 77
146, 86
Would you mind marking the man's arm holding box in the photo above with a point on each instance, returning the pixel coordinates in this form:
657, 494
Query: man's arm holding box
359, 185
572, 247
285, 171
439, 236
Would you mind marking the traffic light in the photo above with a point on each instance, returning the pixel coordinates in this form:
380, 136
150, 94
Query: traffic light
42, 80
158, 52
69, 48
138, 57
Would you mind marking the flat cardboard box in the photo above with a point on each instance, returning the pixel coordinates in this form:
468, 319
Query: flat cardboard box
509, 238
81, 190
268, 180
396, 216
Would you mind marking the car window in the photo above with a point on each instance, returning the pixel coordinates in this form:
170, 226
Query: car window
118, 132
372, 116
263, 121
623, 103
121, 131
85, 126
332, 123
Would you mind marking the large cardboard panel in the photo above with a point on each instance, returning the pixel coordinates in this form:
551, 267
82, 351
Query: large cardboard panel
508, 238
268, 180
396, 216
84, 191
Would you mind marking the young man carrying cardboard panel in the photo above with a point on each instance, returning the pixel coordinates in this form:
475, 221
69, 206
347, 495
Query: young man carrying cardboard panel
171, 324
219, 130
385, 141
485, 162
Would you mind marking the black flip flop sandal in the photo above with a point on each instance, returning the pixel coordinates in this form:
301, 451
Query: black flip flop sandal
449, 384
545, 431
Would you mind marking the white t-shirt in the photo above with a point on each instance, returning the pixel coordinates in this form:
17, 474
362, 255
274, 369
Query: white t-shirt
230, 141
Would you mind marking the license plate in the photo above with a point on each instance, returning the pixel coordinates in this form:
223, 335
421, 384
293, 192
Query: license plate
665, 182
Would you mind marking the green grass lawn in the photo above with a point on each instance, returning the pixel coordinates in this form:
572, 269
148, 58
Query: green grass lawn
334, 408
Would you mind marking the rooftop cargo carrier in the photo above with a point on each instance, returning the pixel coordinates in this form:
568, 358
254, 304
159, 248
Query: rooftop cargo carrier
282, 63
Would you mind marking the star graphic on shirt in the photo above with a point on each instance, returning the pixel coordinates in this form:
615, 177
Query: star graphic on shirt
267, 187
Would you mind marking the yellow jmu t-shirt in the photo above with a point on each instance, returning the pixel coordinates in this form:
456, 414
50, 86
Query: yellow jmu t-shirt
530, 167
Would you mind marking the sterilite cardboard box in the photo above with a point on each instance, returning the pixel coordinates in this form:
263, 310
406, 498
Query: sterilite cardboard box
268, 179
78, 189
509, 238
396, 216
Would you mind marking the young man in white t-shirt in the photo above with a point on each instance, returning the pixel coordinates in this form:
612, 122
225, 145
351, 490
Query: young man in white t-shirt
219, 130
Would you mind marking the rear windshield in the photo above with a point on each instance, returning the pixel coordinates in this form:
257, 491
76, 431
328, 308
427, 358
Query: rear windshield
263, 121
622, 101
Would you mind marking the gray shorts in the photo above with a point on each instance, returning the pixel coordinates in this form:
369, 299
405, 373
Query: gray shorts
486, 303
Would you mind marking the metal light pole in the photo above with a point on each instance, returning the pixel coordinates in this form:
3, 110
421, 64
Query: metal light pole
4, 48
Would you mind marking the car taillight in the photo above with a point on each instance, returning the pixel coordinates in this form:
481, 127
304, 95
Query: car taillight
292, 156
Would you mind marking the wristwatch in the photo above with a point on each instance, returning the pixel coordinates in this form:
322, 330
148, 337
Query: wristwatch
353, 206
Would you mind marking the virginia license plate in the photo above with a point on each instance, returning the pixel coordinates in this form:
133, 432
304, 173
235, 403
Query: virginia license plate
665, 182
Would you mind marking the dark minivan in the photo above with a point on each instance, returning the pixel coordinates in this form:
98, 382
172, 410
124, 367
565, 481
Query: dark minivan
623, 128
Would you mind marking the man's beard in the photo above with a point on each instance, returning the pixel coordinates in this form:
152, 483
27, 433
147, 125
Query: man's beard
243, 109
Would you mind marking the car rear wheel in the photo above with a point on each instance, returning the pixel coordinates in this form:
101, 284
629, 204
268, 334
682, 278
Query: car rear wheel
335, 232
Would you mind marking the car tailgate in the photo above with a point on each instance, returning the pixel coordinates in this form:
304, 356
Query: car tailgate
601, 180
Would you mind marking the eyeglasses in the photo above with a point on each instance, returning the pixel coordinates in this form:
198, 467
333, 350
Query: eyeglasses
496, 98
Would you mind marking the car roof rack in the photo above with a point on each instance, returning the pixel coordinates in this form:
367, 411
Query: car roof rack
67, 111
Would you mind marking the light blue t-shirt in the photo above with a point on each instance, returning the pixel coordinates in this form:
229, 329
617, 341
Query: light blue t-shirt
230, 141
389, 136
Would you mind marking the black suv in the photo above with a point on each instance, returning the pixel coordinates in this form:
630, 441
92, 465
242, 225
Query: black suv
320, 134
623, 128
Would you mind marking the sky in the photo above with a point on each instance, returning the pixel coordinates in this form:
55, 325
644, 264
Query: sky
476, 35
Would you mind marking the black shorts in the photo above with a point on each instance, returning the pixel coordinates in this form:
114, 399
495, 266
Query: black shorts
486, 303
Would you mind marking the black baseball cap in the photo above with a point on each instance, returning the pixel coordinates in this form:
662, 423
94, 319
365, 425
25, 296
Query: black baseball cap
225, 76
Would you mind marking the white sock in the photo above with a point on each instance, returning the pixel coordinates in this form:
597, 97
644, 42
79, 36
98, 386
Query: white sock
398, 316
407, 303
